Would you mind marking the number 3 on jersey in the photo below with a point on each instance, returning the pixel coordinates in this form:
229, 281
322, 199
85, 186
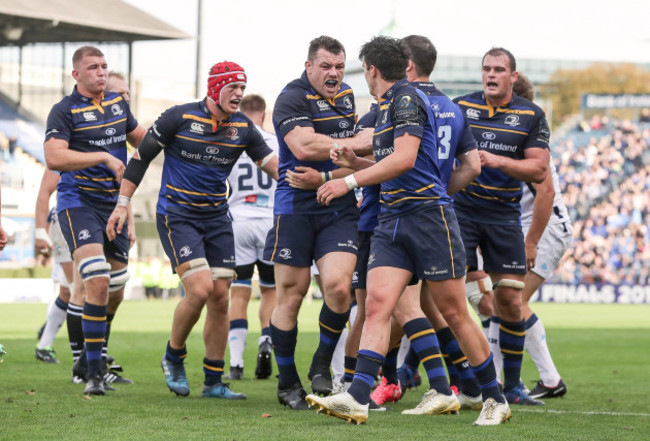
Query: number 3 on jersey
444, 138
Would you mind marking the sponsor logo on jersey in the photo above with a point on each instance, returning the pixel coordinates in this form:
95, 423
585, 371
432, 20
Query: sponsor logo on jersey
116, 110
90, 116
285, 253
435, 107
185, 251
512, 120
344, 124
488, 135
322, 105
347, 102
232, 133
110, 131
472, 113
212, 150
384, 118
197, 128
84, 235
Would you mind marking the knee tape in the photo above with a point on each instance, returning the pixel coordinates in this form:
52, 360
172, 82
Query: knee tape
509, 283
94, 266
222, 273
474, 292
195, 266
118, 279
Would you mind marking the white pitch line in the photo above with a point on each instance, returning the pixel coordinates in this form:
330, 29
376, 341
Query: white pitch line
580, 412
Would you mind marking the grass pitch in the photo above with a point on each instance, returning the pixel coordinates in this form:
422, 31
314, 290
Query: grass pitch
600, 350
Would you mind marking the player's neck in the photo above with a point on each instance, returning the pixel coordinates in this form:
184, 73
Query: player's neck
499, 101
83, 91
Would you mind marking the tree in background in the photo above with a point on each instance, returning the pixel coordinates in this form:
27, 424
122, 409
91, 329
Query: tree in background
565, 87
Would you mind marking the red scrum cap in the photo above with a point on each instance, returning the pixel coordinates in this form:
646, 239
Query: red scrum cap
222, 74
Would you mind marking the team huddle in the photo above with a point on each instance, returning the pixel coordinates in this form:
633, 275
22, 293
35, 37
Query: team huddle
439, 223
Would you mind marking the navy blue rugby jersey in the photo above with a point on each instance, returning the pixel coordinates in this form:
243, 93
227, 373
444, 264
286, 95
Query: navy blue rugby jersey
200, 152
404, 109
454, 134
369, 209
300, 105
507, 131
89, 125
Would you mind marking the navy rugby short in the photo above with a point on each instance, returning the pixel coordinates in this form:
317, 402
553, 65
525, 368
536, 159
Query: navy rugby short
84, 225
185, 239
427, 243
299, 239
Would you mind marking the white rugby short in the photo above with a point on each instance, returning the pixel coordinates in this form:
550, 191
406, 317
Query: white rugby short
554, 242
250, 237
60, 250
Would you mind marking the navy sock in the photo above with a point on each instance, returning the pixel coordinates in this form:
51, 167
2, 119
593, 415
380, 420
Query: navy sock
412, 360
213, 370
266, 331
176, 355
486, 376
512, 336
75, 331
389, 368
424, 341
368, 364
331, 326
284, 348
449, 345
109, 321
349, 365
93, 323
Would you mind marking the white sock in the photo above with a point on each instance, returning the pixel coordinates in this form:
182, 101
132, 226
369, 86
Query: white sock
493, 339
403, 350
353, 314
262, 338
55, 319
338, 357
236, 345
538, 349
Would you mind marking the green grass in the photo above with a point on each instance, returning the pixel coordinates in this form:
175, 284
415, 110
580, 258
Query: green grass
601, 351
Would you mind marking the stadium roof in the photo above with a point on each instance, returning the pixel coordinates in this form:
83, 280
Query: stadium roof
52, 21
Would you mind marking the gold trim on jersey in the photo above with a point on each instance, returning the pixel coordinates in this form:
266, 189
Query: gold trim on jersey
497, 129
489, 198
204, 141
194, 204
98, 189
195, 193
78, 129
88, 178
419, 190
487, 187
491, 110
349, 115
421, 198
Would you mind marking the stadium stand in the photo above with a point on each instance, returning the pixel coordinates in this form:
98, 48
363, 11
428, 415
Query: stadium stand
605, 176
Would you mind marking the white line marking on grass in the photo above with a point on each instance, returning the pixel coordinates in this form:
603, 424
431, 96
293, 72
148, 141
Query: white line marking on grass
580, 412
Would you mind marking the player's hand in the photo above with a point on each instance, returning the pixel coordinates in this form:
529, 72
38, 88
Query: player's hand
489, 159
42, 243
116, 222
3, 238
331, 190
531, 255
116, 166
304, 178
342, 156
363, 141
131, 235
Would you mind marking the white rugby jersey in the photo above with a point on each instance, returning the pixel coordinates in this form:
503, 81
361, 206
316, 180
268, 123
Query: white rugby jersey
253, 190
559, 214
